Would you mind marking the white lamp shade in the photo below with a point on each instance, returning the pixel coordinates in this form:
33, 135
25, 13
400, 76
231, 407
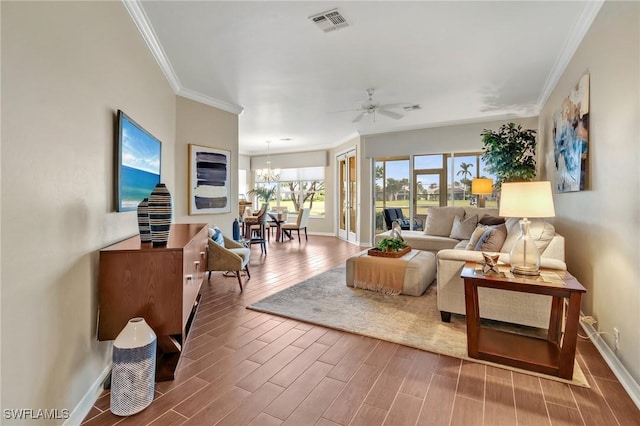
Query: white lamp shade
526, 199
482, 186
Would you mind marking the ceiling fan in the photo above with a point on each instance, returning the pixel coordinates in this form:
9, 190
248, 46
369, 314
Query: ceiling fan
372, 108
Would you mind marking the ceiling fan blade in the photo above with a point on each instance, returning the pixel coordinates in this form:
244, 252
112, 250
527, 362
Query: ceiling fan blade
358, 117
390, 114
387, 106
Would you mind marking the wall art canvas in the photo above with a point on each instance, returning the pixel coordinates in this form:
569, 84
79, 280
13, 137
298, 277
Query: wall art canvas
138, 155
571, 139
209, 178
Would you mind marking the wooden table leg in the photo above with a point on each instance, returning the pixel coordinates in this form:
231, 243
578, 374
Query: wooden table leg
555, 320
568, 350
473, 318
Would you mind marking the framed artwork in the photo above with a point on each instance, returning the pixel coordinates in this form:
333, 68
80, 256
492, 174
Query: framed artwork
571, 139
138, 158
208, 180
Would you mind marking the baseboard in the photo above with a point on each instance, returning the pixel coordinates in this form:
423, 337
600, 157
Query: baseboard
87, 402
626, 380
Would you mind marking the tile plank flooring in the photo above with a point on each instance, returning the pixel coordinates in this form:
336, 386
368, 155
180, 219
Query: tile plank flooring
242, 367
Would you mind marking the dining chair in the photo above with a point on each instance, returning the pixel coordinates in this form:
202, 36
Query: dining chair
301, 223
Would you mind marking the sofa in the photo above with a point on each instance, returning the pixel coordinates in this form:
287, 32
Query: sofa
455, 235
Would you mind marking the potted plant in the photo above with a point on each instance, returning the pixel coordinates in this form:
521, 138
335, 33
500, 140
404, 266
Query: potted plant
510, 153
391, 244
264, 193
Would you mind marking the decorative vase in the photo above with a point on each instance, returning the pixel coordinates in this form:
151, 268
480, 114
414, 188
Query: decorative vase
143, 221
160, 215
134, 368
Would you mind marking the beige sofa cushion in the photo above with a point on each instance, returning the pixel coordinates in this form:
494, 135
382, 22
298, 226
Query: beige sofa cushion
440, 220
463, 228
541, 232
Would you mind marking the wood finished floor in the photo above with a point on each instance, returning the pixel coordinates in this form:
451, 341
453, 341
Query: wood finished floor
241, 367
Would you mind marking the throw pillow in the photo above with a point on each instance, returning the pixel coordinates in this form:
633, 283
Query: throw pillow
463, 228
440, 220
541, 232
492, 239
217, 236
488, 219
475, 236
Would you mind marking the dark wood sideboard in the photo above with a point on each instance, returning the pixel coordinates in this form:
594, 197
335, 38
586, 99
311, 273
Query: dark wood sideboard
159, 284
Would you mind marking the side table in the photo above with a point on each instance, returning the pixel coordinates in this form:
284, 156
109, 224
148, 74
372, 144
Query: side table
556, 354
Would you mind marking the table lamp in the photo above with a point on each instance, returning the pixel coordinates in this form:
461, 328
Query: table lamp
525, 200
481, 187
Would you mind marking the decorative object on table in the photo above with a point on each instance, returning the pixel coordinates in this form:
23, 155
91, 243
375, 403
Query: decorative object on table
571, 139
138, 163
160, 213
143, 221
396, 231
490, 265
134, 368
481, 187
510, 153
525, 200
390, 247
209, 179
236, 230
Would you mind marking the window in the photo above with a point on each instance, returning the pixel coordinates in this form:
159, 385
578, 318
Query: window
298, 188
438, 180
392, 187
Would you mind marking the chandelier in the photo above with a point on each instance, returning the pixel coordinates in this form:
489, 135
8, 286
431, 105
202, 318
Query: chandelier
268, 174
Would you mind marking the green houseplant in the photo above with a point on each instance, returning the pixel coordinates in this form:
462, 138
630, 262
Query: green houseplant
510, 153
391, 244
264, 193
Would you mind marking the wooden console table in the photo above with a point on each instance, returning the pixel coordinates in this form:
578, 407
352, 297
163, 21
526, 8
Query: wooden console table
556, 354
160, 284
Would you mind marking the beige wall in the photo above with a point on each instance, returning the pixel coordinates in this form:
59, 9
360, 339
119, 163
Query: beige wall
602, 224
66, 68
204, 125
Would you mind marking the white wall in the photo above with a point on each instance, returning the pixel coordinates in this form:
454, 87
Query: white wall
602, 223
66, 68
435, 140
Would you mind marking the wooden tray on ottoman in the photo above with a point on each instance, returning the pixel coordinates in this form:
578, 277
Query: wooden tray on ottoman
380, 253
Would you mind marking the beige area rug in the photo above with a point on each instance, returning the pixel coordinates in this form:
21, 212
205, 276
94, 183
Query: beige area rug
407, 320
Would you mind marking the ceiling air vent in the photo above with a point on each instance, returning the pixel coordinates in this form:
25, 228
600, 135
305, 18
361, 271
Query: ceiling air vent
330, 21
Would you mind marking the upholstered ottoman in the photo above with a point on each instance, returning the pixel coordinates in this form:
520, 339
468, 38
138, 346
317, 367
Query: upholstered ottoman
410, 274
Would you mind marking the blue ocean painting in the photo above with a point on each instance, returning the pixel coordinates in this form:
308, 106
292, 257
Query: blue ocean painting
139, 166
136, 184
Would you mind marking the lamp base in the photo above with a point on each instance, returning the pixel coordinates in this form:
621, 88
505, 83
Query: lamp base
531, 271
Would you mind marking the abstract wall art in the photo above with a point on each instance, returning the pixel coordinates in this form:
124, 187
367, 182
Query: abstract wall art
208, 180
571, 139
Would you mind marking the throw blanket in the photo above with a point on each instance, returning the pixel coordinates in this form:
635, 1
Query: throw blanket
382, 274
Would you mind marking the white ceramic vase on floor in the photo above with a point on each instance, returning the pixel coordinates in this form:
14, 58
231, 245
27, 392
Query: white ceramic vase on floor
134, 368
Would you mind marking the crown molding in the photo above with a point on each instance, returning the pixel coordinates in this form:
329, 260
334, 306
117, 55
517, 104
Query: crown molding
141, 20
207, 100
569, 48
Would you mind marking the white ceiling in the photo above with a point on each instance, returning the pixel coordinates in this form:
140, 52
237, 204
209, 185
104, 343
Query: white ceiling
461, 61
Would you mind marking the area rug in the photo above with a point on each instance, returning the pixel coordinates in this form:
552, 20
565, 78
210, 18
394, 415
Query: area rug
407, 320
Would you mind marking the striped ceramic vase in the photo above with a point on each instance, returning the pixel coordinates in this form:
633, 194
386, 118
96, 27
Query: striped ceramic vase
143, 221
160, 215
